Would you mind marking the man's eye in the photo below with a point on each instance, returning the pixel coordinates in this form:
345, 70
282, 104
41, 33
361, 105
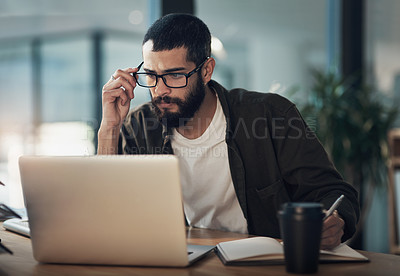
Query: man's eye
175, 76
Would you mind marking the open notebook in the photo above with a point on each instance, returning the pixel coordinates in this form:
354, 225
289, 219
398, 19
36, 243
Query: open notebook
113, 210
268, 251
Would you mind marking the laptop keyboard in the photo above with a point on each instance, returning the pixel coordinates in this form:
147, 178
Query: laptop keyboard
20, 226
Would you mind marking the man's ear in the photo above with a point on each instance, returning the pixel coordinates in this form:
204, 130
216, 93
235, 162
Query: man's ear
208, 69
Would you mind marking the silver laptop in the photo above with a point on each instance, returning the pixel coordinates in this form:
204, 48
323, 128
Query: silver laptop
113, 210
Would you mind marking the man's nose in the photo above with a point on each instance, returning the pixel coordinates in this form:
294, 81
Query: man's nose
161, 88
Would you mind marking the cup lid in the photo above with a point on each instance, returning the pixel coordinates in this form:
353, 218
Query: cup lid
302, 208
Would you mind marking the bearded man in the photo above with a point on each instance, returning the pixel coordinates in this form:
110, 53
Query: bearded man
242, 154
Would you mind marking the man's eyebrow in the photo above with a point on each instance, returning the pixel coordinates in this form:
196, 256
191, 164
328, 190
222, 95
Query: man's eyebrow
166, 71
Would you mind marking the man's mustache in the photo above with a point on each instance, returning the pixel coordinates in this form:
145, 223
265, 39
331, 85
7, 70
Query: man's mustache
166, 99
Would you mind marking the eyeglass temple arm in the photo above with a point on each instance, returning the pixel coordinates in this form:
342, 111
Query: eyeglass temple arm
140, 65
197, 68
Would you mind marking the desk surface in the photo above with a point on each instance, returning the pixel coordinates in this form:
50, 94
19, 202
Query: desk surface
22, 262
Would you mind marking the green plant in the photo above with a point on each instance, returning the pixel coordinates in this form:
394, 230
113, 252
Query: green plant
352, 123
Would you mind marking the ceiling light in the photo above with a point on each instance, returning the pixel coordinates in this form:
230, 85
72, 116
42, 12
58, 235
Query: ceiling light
135, 17
217, 48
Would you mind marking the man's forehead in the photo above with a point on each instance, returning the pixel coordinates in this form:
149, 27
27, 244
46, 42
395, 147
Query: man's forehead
178, 54
148, 46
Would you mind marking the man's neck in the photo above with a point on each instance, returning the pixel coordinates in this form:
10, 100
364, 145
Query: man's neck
195, 127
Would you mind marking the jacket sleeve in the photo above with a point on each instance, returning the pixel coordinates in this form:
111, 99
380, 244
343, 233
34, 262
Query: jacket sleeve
141, 133
308, 172
127, 143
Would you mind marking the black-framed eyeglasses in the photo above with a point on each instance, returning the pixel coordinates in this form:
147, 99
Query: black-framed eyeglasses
171, 80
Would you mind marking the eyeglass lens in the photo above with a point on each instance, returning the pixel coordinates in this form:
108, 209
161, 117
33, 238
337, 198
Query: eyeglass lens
174, 80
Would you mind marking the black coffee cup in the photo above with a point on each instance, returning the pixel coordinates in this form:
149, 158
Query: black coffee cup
301, 227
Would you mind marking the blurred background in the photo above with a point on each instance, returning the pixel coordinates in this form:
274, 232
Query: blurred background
55, 56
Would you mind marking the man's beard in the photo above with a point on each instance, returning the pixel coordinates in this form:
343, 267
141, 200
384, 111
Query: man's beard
186, 108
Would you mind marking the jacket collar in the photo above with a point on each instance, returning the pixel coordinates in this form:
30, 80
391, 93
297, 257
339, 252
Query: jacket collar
222, 92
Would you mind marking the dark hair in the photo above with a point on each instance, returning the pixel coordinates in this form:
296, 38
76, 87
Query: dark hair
181, 30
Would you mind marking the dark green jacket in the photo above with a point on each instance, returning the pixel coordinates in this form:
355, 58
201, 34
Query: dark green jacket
273, 156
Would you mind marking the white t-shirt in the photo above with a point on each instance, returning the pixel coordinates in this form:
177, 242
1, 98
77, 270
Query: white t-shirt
209, 197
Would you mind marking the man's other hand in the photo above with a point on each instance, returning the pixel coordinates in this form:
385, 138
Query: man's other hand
332, 231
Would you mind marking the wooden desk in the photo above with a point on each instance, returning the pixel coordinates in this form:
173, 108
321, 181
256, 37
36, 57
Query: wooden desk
22, 262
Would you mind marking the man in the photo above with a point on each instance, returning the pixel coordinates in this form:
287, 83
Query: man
242, 154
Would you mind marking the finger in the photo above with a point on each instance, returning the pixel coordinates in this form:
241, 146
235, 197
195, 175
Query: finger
332, 232
332, 241
112, 95
332, 226
125, 84
329, 246
127, 74
333, 220
332, 237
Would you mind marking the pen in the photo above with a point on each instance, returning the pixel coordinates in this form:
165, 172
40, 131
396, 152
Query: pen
333, 207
